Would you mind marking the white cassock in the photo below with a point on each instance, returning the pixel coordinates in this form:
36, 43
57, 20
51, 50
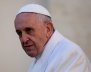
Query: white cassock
61, 55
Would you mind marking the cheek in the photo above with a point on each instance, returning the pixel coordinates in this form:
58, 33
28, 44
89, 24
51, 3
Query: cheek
40, 40
40, 44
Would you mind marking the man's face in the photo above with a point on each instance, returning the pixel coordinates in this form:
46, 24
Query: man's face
32, 33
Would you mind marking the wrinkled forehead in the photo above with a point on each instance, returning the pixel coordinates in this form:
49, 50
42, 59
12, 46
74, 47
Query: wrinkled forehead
26, 15
26, 19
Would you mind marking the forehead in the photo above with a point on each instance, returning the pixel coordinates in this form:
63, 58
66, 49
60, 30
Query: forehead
23, 20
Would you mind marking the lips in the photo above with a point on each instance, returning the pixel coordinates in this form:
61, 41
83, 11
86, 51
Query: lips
28, 47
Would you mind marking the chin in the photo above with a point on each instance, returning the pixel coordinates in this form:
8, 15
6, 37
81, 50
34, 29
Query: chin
32, 55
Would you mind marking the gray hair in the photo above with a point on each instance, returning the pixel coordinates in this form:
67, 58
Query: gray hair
46, 19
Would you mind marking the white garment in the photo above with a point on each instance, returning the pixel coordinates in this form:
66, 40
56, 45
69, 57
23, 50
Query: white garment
61, 55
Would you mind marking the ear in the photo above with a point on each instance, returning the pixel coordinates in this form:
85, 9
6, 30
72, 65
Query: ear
49, 27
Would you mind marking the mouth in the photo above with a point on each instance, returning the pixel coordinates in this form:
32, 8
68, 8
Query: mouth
28, 47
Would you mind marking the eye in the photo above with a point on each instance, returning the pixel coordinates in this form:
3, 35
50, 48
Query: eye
29, 30
19, 33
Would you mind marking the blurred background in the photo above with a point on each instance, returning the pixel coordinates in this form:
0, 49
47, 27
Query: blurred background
71, 17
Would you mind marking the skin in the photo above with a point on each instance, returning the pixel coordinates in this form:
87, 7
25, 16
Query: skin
34, 31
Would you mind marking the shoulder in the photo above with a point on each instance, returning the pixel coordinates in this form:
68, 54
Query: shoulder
68, 55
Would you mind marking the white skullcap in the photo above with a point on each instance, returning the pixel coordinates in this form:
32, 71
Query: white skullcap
34, 8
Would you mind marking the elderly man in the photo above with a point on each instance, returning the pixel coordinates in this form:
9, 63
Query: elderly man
52, 51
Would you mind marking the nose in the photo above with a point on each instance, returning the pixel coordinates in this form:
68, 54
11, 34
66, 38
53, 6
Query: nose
24, 38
